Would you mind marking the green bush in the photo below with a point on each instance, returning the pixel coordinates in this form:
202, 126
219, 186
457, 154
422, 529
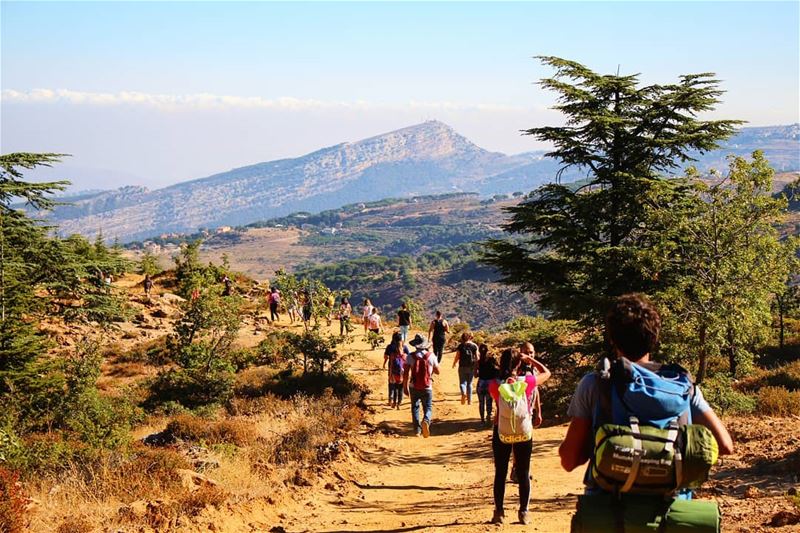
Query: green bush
719, 391
778, 401
190, 388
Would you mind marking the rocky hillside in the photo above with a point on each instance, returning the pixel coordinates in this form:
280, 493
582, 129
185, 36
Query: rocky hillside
428, 158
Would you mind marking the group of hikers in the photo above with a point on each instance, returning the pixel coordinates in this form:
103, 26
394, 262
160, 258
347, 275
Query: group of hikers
644, 428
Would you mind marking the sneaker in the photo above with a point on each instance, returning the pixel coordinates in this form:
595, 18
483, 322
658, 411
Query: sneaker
426, 429
523, 518
497, 517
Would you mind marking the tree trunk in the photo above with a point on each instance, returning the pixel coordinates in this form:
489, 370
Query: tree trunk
703, 357
732, 363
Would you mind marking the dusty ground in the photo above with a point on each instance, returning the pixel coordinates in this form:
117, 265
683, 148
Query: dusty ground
399, 482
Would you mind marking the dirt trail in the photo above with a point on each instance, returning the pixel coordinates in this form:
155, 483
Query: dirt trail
401, 482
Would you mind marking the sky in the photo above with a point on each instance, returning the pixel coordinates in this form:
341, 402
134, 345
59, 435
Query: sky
152, 93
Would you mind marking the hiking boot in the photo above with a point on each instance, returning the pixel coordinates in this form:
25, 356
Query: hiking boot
426, 429
523, 518
463, 399
497, 517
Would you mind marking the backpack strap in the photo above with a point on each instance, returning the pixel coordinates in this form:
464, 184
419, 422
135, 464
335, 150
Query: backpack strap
637, 455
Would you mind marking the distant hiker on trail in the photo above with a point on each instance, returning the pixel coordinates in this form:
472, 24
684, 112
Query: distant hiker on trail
437, 333
395, 356
345, 312
466, 357
148, 285
630, 396
374, 322
228, 282
525, 367
366, 310
418, 383
294, 307
513, 430
274, 304
331, 305
307, 308
404, 320
486, 372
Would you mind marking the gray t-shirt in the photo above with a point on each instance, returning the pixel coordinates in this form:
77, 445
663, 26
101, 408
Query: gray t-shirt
587, 397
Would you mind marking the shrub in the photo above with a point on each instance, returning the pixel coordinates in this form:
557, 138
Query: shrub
318, 426
287, 383
719, 391
12, 502
192, 428
190, 387
778, 401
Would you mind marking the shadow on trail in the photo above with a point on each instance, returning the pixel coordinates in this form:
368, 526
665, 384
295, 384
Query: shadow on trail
399, 487
425, 527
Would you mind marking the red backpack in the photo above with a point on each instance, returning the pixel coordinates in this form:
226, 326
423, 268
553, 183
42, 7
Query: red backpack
421, 371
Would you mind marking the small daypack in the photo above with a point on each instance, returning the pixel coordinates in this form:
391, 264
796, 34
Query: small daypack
397, 363
514, 422
644, 440
468, 355
421, 371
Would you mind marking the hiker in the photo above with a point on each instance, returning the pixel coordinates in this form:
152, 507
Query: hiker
418, 383
345, 311
524, 366
513, 430
294, 307
466, 357
374, 322
148, 285
228, 282
307, 308
395, 356
631, 381
437, 333
404, 320
274, 303
366, 310
331, 305
486, 372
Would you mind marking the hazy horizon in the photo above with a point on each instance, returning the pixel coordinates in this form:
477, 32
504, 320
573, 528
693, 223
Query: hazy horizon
157, 93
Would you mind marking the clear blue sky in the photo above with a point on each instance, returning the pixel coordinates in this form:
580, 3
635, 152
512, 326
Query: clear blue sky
350, 70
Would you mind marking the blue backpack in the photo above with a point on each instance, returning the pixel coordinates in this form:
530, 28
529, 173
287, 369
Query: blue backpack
645, 442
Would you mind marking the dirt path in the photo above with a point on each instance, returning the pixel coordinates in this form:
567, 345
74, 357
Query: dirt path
401, 482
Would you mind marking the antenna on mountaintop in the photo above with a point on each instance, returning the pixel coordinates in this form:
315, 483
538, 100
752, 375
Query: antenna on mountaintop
618, 65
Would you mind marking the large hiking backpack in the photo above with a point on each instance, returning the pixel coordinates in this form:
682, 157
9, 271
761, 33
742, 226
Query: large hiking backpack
514, 422
644, 440
421, 371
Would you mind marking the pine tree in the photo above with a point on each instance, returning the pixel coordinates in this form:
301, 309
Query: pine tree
575, 245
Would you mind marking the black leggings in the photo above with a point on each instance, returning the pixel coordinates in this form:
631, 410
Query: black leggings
273, 311
522, 461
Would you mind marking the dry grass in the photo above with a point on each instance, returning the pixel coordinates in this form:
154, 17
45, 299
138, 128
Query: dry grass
777, 401
195, 429
75, 524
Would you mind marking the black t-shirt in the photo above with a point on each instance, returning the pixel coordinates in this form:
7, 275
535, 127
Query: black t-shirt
404, 317
487, 369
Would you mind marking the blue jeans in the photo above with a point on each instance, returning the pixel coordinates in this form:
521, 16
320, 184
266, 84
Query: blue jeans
424, 399
396, 393
465, 381
404, 332
485, 401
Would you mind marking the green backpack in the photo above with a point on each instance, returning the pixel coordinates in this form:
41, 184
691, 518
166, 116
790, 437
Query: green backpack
604, 513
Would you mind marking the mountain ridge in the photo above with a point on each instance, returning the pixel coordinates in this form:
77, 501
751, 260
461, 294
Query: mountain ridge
426, 158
